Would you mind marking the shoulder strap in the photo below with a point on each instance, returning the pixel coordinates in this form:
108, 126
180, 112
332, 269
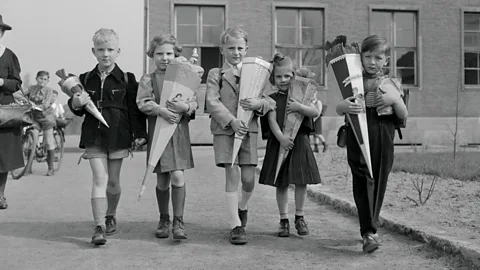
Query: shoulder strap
156, 91
85, 79
220, 78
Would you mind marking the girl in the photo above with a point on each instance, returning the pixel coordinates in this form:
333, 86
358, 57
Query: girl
300, 167
375, 53
44, 118
177, 156
11, 156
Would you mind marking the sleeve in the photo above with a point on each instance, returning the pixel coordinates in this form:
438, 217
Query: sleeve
145, 98
215, 107
138, 121
268, 104
77, 111
13, 82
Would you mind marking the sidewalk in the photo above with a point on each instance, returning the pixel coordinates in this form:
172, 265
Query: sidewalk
321, 194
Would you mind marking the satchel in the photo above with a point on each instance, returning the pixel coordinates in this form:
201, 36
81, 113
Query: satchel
15, 115
342, 136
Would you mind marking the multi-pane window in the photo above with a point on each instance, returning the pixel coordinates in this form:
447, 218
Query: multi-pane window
471, 43
299, 33
400, 29
200, 27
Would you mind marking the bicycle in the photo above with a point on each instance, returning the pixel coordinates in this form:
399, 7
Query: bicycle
35, 148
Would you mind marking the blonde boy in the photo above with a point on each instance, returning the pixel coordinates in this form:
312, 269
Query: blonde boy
222, 103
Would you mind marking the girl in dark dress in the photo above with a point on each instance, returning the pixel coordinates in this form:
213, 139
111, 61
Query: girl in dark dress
369, 191
300, 167
11, 156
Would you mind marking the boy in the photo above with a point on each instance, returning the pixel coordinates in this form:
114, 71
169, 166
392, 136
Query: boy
114, 93
221, 102
369, 191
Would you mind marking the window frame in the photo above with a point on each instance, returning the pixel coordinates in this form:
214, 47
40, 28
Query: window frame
419, 56
463, 10
302, 5
197, 4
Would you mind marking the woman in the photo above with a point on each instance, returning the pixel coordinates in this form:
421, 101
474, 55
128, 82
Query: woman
11, 156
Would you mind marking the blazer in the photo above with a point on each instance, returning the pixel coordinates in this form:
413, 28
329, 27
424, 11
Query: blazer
222, 103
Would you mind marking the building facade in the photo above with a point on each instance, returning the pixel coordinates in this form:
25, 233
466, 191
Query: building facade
435, 51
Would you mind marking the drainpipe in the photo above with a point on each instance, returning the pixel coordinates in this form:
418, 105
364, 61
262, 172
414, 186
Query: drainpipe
145, 35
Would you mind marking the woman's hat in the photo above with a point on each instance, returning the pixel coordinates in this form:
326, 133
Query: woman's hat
3, 25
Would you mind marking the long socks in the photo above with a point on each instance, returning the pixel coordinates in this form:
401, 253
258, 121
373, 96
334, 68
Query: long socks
232, 208
178, 200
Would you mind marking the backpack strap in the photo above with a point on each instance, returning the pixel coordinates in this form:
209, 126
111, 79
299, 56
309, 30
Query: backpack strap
85, 79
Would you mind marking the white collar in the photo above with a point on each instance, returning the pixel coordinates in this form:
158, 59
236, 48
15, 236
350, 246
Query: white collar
2, 50
239, 66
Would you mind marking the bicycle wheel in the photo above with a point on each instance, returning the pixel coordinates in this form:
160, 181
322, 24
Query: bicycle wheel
28, 146
58, 136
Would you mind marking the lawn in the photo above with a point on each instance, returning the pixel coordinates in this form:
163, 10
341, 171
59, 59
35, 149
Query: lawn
466, 167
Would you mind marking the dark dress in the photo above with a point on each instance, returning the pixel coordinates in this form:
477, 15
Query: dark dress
300, 166
368, 193
11, 156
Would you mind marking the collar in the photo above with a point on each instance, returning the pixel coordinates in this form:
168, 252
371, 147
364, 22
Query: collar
373, 76
115, 72
227, 66
2, 49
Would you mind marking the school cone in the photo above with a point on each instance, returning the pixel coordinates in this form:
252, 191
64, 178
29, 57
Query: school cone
253, 79
70, 85
303, 90
181, 81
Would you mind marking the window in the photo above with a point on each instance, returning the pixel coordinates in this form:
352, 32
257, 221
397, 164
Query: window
299, 34
471, 47
200, 27
400, 29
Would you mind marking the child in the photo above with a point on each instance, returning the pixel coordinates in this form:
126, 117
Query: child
221, 102
114, 93
177, 156
300, 167
58, 109
44, 117
375, 53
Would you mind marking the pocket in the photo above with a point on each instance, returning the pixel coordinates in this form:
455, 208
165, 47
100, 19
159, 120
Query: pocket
118, 95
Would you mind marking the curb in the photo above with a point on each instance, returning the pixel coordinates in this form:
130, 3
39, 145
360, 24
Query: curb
470, 254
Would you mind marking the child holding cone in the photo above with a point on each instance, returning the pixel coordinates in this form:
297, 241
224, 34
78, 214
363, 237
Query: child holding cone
222, 103
375, 54
300, 166
177, 156
114, 93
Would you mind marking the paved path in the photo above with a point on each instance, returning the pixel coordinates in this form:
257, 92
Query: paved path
49, 224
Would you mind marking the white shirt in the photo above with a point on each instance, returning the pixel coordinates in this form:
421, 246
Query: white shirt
236, 68
58, 109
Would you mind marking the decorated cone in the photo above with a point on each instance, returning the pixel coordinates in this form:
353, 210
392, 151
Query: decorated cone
71, 85
181, 81
348, 70
253, 79
303, 90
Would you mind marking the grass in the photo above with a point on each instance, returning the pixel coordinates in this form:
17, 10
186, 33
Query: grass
466, 167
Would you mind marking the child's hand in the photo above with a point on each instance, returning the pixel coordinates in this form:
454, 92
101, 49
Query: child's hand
286, 142
177, 106
388, 99
239, 127
171, 117
138, 143
80, 99
349, 106
251, 104
293, 106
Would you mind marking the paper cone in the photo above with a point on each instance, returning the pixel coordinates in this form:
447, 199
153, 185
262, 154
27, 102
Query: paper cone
180, 79
72, 85
348, 72
253, 79
303, 90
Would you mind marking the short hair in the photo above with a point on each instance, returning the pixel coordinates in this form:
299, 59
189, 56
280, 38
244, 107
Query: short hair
104, 35
234, 32
280, 60
164, 39
43, 73
375, 42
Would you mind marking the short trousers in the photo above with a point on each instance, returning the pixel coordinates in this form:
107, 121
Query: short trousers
223, 148
98, 152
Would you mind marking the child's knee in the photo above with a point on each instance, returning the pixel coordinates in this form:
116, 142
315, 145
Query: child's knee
248, 174
163, 181
177, 179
